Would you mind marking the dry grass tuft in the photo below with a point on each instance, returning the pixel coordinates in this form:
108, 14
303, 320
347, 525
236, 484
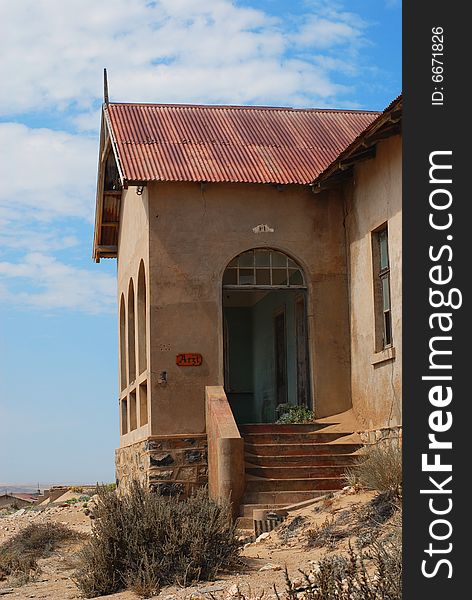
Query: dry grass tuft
20, 554
380, 468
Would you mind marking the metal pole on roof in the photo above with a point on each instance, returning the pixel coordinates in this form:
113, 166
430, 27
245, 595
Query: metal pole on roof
105, 87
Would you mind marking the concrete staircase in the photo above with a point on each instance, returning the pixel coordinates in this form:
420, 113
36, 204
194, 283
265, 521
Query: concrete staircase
288, 464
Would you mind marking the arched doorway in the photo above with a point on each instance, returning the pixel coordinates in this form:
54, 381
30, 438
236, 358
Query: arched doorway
265, 335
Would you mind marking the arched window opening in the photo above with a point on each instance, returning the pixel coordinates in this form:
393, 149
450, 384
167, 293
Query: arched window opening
133, 421
124, 416
131, 334
122, 343
263, 268
143, 406
142, 354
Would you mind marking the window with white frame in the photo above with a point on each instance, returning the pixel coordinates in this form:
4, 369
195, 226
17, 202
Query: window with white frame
382, 297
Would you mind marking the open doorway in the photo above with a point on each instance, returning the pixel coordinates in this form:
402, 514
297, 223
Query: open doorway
265, 335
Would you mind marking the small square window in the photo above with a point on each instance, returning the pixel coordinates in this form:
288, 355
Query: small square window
279, 259
279, 276
295, 277
246, 276
262, 258
246, 259
262, 276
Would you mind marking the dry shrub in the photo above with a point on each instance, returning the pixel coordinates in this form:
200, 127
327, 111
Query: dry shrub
380, 468
19, 555
357, 577
326, 535
142, 540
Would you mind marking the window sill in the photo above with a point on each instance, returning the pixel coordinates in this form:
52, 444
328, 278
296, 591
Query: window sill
383, 356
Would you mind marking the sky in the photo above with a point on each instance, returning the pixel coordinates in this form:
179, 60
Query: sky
58, 325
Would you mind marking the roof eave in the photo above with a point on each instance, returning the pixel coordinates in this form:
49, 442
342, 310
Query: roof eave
107, 142
387, 124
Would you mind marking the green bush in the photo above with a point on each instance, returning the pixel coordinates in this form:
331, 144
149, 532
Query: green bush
294, 413
142, 540
19, 555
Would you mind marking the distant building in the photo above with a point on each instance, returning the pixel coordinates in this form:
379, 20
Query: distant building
16, 500
259, 265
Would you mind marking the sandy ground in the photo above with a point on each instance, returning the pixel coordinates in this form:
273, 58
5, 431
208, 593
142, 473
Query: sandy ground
262, 562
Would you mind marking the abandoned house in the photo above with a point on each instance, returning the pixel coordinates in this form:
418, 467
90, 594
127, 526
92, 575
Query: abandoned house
259, 265
16, 500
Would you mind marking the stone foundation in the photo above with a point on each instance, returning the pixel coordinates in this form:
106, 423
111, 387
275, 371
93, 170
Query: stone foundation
173, 465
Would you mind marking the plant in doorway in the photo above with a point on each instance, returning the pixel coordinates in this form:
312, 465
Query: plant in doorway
294, 413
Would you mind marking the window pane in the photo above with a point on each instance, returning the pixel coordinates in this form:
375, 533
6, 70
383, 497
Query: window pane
234, 262
383, 245
262, 258
292, 264
279, 259
230, 277
246, 276
385, 293
279, 277
247, 259
295, 277
263, 276
387, 329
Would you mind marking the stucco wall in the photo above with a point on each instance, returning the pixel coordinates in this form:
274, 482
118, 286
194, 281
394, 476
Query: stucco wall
194, 232
375, 197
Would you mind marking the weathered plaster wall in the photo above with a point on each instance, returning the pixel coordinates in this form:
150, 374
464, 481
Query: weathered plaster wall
375, 197
194, 232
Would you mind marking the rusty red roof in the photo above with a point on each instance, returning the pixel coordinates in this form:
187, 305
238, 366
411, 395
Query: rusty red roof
233, 144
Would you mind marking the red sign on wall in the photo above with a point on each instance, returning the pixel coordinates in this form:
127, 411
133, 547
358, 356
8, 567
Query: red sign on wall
188, 359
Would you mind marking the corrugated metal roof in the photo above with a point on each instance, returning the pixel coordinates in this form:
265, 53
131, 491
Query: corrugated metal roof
238, 144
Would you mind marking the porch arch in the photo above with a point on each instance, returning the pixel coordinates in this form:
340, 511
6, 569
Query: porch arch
265, 334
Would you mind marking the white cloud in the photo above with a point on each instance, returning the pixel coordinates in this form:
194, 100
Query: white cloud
320, 32
41, 281
45, 174
165, 51
46, 203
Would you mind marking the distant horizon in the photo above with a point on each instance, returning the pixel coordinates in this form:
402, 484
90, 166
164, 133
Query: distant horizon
12, 487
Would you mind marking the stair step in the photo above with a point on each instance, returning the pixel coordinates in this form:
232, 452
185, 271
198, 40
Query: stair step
298, 449
308, 437
280, 428
295, 472
246, 510
283, 498
245, 523
284, 485
302, 460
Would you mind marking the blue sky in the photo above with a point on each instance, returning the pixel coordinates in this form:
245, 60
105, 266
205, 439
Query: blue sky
58, 338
